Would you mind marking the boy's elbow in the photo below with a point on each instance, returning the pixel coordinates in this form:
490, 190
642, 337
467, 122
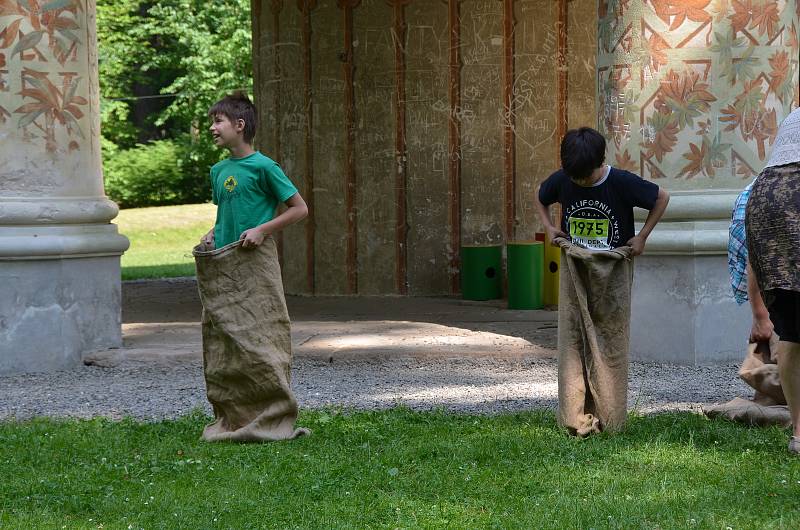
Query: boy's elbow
298, 207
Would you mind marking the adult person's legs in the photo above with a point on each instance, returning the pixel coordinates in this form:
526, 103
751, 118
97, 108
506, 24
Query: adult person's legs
784, 311
772, 224
789, 369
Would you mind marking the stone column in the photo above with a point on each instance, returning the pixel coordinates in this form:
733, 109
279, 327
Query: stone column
690, 96
59, 253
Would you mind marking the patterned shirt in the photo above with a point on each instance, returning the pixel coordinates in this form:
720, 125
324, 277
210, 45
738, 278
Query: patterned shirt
737, 247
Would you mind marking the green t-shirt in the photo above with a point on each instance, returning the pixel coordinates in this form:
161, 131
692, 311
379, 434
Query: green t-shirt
246, 191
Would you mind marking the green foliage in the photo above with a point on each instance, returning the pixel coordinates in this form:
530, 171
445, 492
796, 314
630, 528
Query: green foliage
399, 469
196, 155
124, 51
160, 173
163, 63
117, 126
190, 51
145, 175
210, 48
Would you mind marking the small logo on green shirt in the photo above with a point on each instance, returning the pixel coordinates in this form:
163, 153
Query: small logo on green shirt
230, 184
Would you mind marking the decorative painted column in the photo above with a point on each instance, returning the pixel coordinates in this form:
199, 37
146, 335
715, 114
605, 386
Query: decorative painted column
690, 96
59, 253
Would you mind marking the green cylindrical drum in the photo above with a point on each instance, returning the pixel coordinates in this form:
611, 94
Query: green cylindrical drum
525, 262
481, 272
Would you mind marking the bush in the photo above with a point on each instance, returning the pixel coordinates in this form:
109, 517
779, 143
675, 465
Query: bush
159, 173
196, 156
146, 175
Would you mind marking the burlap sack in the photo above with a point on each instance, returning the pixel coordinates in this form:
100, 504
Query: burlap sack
768, 406
247, 348
760, 371
594, 309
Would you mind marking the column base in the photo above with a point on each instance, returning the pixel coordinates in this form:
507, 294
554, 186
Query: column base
53, 311
59, 293
683, 311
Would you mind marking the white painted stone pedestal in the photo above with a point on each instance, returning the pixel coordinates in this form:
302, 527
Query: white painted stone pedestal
59, 286
59, 253
683, 310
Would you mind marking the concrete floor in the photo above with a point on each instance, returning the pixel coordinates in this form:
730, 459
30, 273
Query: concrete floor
161, 324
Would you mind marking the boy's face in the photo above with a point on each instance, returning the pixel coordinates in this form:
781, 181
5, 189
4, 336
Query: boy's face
224, 132
585, 183
593, 177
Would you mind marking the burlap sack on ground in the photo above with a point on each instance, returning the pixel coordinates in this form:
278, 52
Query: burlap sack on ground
247, 348
768, 406
594, 309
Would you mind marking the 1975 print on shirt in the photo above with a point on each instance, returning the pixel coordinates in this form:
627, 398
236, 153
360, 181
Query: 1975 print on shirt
592, 224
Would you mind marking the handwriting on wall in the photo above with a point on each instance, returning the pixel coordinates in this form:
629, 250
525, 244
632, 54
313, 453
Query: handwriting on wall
430, 112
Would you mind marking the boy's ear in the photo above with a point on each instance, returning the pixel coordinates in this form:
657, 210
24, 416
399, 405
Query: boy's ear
240, 125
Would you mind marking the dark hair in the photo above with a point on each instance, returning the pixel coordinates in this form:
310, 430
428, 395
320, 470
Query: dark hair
237, 106
582, 151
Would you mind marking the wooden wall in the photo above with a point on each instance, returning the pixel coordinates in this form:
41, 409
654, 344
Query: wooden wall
414, 126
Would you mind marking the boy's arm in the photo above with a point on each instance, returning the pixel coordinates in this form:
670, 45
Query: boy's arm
544, 216
208, 239
637, 242
762, 325
295, 211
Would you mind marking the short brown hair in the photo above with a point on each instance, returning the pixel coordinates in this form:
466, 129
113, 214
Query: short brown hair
237, 106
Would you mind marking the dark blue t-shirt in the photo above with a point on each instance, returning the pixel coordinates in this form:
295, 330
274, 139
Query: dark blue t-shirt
599, 217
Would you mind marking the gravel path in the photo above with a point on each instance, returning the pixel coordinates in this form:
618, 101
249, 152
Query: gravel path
474, 385
420, 352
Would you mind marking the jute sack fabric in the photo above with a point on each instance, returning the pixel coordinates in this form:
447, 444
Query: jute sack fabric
247, 348
768, 405
594, 309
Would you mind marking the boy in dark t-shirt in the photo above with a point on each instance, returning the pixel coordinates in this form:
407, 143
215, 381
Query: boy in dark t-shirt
598, 240
597, 200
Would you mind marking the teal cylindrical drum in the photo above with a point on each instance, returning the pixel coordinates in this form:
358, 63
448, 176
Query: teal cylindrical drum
525, 262
481, 272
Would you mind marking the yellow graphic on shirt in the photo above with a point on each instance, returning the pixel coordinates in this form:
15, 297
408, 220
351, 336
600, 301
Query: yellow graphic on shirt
590, 233
230, 184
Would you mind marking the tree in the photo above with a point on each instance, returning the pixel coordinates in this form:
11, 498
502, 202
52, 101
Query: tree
163, 63
210, 48
182, 54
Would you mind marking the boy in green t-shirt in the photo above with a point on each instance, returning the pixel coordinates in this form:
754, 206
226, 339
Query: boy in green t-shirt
247, 349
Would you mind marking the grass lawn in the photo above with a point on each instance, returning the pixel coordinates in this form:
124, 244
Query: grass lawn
399, 469
162, 239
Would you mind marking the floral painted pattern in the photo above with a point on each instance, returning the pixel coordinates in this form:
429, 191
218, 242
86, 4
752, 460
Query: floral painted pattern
41, 41
695, 89
53, 104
